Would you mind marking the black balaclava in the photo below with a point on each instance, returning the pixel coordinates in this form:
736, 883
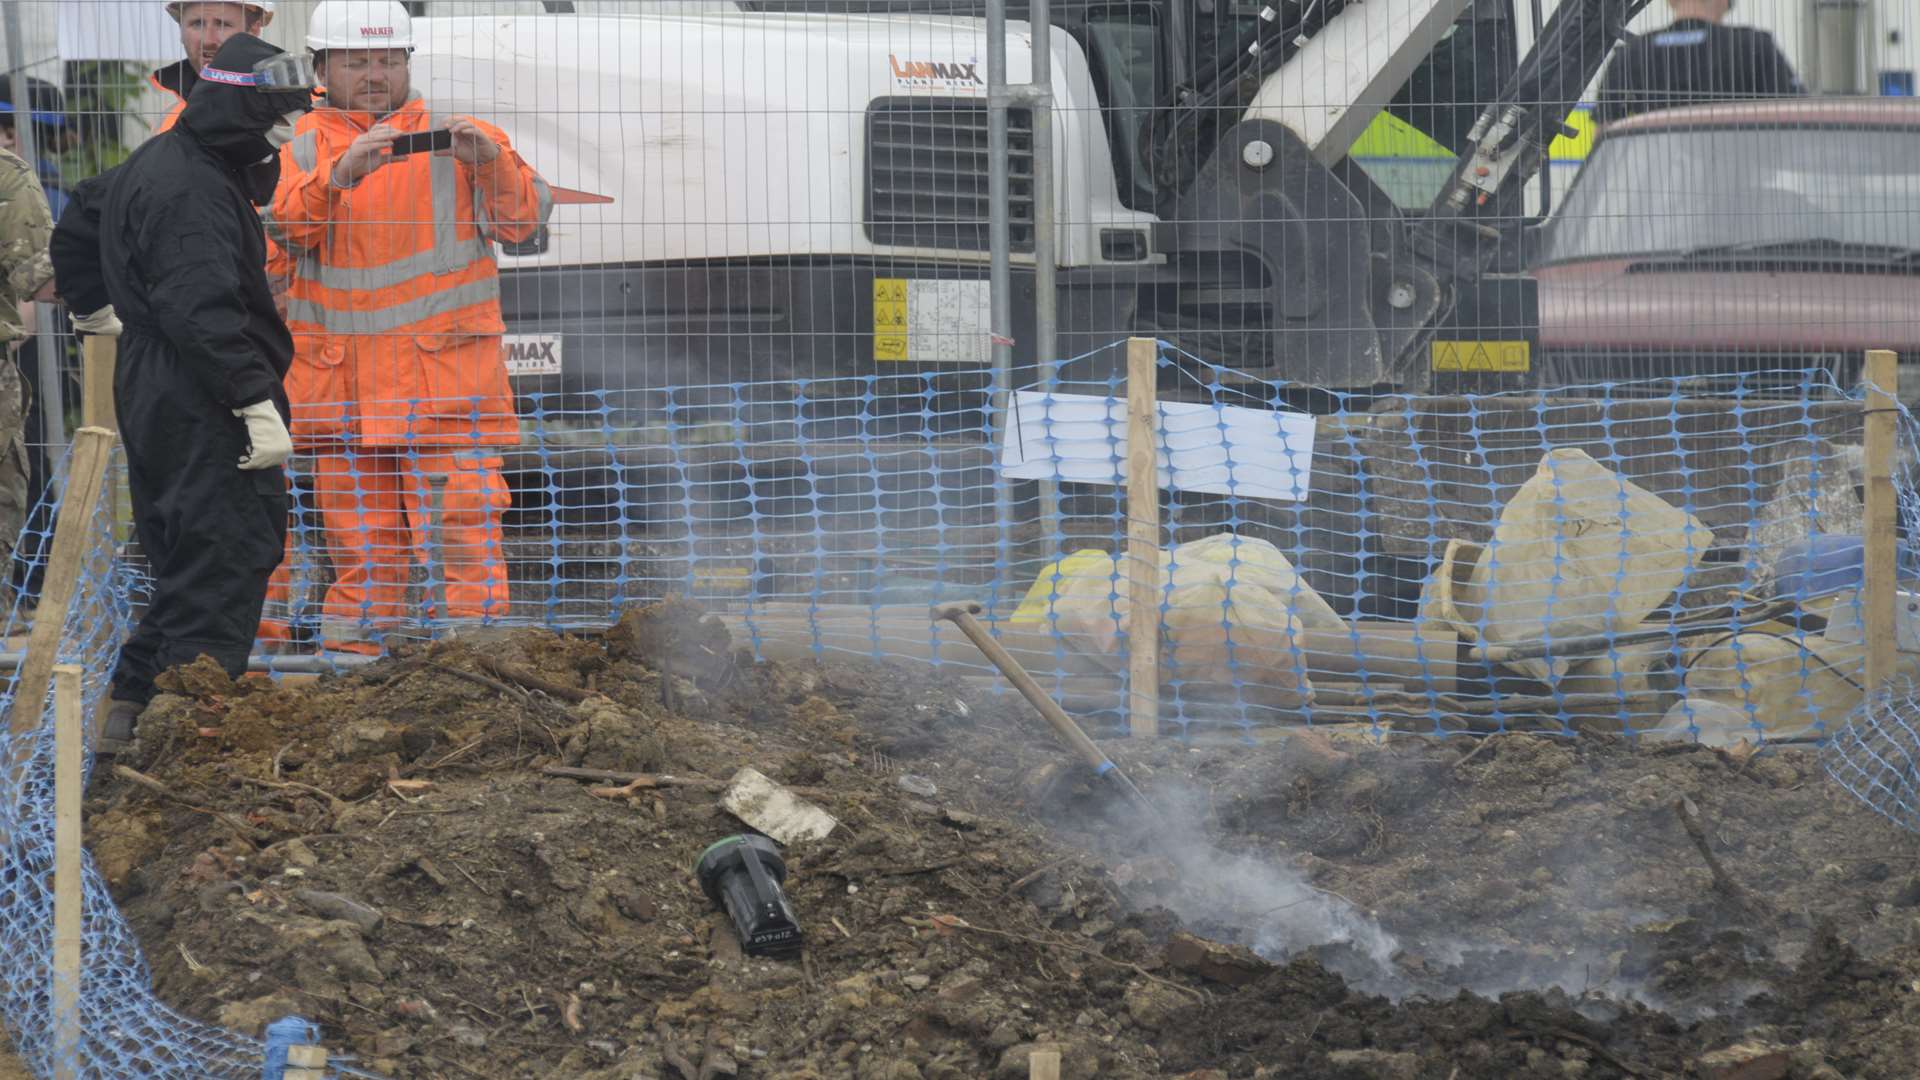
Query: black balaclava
233, 121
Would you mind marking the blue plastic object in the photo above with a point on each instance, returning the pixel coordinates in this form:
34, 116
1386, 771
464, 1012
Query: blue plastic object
281, 1034
1829, 562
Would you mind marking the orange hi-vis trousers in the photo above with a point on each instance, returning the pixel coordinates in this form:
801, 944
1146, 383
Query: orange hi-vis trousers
384, 511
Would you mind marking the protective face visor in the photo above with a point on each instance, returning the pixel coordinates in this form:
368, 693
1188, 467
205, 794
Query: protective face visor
281, 72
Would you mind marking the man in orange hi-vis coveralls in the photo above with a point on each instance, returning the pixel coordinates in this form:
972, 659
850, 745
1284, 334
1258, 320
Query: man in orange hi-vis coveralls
205, 25
398, 385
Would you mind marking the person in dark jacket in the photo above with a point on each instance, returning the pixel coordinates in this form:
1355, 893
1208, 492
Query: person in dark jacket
1694, 61
202, 414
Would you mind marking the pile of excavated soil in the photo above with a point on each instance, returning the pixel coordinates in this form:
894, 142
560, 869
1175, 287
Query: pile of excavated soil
386, 853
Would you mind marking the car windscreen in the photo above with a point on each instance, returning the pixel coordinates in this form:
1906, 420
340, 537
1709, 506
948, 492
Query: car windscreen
1662, 192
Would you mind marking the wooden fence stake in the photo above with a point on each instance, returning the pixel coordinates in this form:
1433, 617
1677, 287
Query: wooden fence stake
72, 534
1143, 537
1882, 575
98, 357
306, 1063
1043, 1065
68, 899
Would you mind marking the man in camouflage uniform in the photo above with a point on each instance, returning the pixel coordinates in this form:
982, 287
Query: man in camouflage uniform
26, 271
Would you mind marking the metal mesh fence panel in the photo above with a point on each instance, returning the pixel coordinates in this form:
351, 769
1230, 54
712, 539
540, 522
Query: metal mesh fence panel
1507, 355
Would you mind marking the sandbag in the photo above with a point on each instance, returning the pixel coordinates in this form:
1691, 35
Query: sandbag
1233, 611
1578, 551
1235, 614
1782, 682
1642, 678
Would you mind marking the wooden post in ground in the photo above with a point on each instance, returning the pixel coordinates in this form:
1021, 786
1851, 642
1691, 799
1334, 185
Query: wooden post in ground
98, 357
306, 1063
1043, 1065
68, 897
1143, 537
1882, 573
72, 535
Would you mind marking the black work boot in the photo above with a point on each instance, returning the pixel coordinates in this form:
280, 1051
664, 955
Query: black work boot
116, 734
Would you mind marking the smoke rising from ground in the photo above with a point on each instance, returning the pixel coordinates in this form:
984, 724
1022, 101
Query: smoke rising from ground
1263, 901
1266, 899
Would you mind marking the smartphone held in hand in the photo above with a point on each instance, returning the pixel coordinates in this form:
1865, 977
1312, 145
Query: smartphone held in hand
423, 142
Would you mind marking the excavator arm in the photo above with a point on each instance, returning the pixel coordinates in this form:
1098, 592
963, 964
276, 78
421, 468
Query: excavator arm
1289, 263
1510, 142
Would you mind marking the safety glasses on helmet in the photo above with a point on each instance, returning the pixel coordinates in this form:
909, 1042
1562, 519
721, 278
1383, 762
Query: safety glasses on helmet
284, 71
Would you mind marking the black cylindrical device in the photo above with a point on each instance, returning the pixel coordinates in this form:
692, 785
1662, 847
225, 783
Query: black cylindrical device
743, 874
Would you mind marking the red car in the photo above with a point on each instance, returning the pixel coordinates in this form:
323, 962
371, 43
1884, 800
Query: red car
1770, 236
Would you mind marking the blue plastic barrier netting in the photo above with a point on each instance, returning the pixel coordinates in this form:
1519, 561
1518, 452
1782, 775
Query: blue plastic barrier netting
125, 1031
1658, 556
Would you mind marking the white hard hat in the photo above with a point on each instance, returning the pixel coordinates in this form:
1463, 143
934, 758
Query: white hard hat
265, 7
360, 24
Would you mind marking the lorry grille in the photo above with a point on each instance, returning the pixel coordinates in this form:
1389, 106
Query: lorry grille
927, 174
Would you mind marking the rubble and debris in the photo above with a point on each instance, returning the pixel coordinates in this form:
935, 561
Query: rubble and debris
1710, 722
334, 906
773, 809
532, 930
1846, 622
1746, 1061
1235, 965
1818, 486
917, 785
1783, 681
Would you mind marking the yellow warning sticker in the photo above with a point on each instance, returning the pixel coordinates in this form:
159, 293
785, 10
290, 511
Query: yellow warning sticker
889, 318
932, 321
1482, 356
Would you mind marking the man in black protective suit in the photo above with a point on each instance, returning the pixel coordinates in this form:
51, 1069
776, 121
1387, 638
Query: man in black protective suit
182, 259
1694, 61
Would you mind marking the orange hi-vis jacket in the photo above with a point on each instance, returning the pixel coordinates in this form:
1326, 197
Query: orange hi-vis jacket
172, 80
395, 301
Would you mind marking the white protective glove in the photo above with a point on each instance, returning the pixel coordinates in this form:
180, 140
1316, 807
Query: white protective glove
268, 443
103, 323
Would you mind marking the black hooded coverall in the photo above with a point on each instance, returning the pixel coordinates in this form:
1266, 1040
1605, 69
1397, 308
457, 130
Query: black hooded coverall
183, 259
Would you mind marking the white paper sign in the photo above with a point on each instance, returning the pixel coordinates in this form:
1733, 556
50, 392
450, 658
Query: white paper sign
947, 321
1222, 449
